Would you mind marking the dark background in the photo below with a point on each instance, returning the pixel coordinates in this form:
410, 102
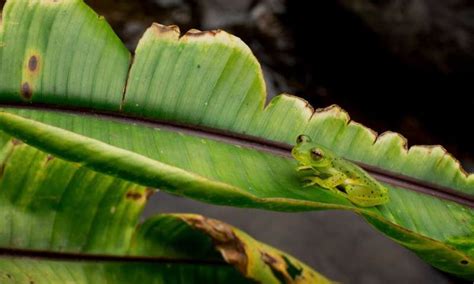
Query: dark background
399, 65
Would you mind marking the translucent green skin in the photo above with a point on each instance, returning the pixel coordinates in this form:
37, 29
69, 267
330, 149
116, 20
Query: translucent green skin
337, 175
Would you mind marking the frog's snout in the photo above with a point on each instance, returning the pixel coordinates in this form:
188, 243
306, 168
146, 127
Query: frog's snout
299, 155
295, 153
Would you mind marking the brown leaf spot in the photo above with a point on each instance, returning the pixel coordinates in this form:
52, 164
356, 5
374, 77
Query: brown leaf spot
198, 33
225, 240
465, 262
16, 142
33, 63
171, 32
268, 259
49, 158
276, 267
166, 29
149, 192
133, 195
26, 91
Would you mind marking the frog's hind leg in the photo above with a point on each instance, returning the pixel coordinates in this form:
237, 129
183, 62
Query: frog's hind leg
329, 183
341, 190
365, 196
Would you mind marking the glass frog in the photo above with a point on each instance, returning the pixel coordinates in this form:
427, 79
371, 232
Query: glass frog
337, 175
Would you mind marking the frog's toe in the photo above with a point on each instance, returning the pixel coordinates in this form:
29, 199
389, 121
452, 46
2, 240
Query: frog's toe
310, 182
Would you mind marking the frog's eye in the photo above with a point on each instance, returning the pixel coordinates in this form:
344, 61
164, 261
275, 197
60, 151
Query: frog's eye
303, 138
316, 154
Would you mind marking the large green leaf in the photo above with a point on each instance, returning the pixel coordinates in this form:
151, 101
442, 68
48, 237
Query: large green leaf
20, 270
60, 47
209, 80
66, 208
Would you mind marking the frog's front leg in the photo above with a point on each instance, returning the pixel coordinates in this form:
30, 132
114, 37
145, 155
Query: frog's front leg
302, 168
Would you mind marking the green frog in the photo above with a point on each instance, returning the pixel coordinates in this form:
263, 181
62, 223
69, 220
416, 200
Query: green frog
337, 174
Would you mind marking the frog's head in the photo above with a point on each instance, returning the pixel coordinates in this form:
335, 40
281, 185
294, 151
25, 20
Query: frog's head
309, 153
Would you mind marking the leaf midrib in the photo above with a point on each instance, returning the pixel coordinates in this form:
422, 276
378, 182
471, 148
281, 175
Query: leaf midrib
257, 143
75, 256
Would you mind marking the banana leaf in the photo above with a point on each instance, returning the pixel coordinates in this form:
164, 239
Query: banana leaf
64, 223
189, 115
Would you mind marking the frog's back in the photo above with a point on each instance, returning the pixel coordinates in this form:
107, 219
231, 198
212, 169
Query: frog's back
353, 171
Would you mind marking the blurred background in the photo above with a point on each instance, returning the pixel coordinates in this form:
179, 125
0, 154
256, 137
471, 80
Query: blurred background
400, 65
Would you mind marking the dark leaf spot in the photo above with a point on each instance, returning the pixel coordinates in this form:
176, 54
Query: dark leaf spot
272, 262
465, 262
133, 195
9, 276
2, 170
149, 192
224, 240
268, 259
33, 63
26, 91
199, 66
293, 270
198, 33
49, 158
166, 29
